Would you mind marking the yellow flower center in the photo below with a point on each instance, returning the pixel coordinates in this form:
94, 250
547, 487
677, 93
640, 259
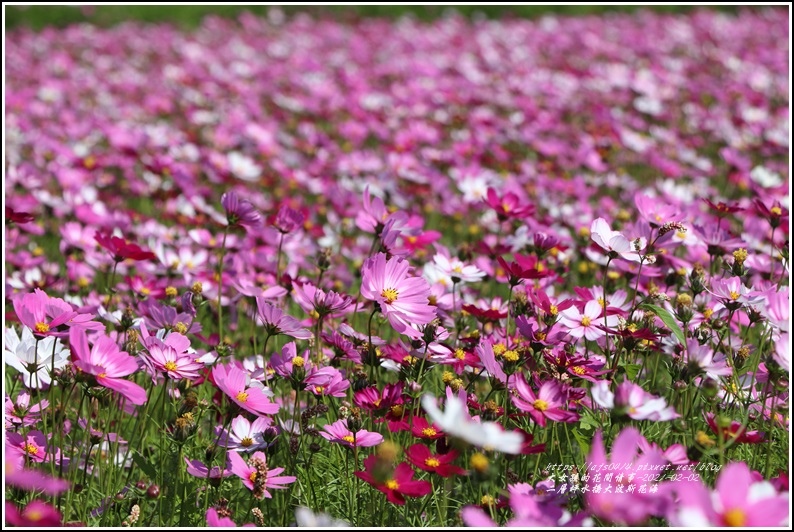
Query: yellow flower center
242, 397
460, 354
499, 348
170, 365
349, 438
457, 269
31, 449
41, 327
553, 310
392, 484
733, 295
429, 432
252, 476
707, 313
318, 389
102, 375
541, 405
298, 361
389, 295
586, 321
170, 291
735, 517
777, 211
247, 442
83, 282
511, 356
479, 462
540, 336
410, 360
397, 410
579, 370
180, 327
145, 291
432, 462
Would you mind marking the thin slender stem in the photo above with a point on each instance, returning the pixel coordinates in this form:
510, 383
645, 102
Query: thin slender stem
220, 283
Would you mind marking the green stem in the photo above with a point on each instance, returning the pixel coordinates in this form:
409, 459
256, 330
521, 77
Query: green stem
220, 284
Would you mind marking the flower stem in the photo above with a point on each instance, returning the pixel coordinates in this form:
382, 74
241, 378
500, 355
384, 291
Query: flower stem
220, 284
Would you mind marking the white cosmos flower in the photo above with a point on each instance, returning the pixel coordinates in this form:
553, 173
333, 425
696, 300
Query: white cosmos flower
33, 360
456, 422
307, 518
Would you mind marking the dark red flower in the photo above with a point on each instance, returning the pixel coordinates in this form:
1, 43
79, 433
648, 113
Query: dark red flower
121, 249
420, 428
399, 485
507, 206
18, 217
420, 456
524, 268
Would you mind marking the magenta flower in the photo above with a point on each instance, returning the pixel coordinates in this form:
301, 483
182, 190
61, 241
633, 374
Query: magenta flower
338, 432
420, 428
21, 413
107, 363
287, 219
37, 514
276, 322
199, 469
256, 476
586, 322
614, 243
120, 249
739, 499
33, 445
421, 457
399, 485
240, 212
733, 294
615, 490
713, 364
631, 400
508, 205
18, 476
402, 299
216, 521
312, 299
171, 355
44, 314
232, 381
548, 403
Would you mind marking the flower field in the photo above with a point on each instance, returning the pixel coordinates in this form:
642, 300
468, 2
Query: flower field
289, 270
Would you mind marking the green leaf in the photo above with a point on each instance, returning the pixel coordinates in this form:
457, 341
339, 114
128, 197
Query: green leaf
583, 441
669, 320
631, 371
145, 466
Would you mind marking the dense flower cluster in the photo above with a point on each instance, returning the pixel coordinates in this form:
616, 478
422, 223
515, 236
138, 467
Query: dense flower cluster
323, 260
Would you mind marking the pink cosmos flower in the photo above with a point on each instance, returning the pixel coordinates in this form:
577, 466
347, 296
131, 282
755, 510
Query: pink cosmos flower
121, 250
215, 521
420, 428
37, 514
586, 323
456, 269
327, 381
508, 205
240, 212
276, 322
530, 509
199, 470
548, 403
21, 413
739, 499
735, 432
630, 399
398, 486
614, 243
107, 363
707, 360
17, 475
615, 491
338, 432
312, 299
232, 381
170, 355
733, 294
44, 314
256, 476
33, 445
287, 219
374, 216
402, 299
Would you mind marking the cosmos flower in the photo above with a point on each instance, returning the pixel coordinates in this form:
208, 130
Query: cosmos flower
739, 499
233, 382
402, 299
398, 486
587, 323
421, 457
34, 359
337, 432
276, 322
121, 250
614, 243
107, 363
245, 435
240, 212
44, 315
257, 476
455, 421
548, 403
630, 399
